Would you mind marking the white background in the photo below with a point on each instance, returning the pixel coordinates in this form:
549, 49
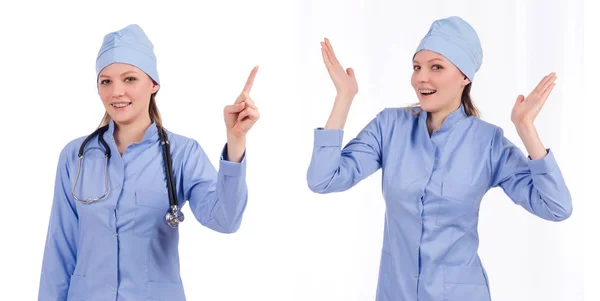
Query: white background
293, 244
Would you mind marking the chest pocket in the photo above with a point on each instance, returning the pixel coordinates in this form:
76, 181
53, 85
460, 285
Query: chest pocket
460, 202
151, 206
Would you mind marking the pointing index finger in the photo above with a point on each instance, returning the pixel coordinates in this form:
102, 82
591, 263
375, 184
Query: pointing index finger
250, 80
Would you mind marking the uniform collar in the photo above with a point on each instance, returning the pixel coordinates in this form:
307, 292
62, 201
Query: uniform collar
150, 134
452, 119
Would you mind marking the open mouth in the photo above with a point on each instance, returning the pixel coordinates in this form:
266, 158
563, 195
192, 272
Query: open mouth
426, 92
120, 105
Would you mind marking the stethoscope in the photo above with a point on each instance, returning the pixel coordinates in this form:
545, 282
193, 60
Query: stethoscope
174, 216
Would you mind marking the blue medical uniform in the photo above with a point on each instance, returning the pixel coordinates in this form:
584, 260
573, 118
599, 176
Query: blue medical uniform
121, 248
433, 186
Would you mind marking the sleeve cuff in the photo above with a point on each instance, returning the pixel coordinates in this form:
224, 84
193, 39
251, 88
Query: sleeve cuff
231, 169
325, 137
543, 165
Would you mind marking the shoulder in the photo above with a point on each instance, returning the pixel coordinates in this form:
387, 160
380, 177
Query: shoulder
71, 150
488, 133
399, 115
483, 127
179, 139
184, 143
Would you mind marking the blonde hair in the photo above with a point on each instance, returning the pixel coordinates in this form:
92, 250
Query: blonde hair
152, 110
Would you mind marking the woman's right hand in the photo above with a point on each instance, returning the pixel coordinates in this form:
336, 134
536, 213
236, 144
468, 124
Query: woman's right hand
344, 81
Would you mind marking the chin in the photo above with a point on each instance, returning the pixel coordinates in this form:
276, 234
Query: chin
429, 106
121, 119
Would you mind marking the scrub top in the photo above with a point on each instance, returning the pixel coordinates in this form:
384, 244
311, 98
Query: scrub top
120, 247
433, 186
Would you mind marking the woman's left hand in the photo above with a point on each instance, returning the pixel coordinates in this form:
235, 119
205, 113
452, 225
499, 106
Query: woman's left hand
243, 114
526, 109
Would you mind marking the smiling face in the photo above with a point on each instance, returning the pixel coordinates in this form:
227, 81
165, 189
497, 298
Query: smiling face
125, 91
437, 82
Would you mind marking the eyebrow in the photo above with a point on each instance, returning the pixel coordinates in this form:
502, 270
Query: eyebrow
124, 73
431, 60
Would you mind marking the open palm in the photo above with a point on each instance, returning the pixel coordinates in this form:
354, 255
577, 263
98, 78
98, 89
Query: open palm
527, 108
344, 80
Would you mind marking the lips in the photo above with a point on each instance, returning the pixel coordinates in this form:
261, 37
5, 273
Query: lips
426, 92
120, 105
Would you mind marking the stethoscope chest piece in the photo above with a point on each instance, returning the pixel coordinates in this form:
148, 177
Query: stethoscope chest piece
174, 217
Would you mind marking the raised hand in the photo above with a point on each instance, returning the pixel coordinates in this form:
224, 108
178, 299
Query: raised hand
527, 108
243, 114
344, 80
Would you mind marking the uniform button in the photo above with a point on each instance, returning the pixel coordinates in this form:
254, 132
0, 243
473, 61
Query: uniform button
416, 275
118, 186
114, 289
419, 222
115, 235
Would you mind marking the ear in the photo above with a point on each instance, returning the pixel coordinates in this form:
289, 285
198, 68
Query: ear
466, 81
155, 87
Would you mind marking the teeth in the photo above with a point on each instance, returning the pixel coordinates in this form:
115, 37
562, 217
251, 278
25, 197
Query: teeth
427, 91
120, 105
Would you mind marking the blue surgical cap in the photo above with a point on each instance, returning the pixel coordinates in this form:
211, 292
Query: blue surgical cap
457, 41
129, 45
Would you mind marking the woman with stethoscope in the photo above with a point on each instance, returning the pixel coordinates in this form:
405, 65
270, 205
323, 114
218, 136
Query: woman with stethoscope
438, 160
113, 227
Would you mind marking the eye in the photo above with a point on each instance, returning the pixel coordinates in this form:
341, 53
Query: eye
105, 82
415, 67
437, 67
130, 79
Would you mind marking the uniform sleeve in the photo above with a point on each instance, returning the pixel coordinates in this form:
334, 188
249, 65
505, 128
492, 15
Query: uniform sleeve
217, 199
536, 185
60, 252
333, 169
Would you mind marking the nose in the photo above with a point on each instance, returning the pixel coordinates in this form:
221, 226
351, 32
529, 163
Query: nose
422, 76
117, 90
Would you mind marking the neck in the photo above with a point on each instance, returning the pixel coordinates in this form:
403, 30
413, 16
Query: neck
127, 134
435, 120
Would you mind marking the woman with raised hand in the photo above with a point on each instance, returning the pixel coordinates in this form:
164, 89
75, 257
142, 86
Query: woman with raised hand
113, 231
438, 159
